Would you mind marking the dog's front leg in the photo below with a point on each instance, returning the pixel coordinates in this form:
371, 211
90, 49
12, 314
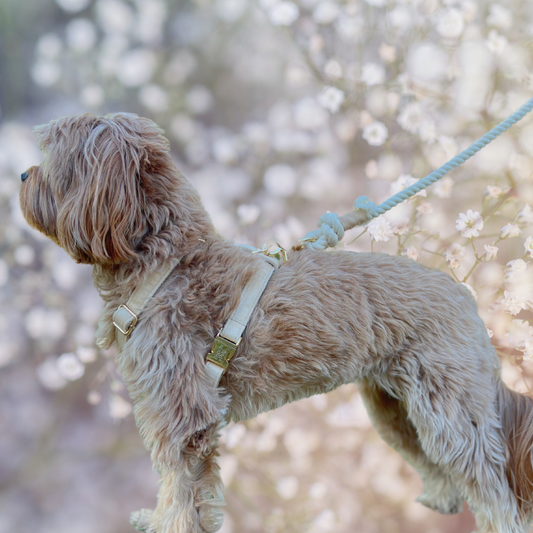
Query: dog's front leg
191, 492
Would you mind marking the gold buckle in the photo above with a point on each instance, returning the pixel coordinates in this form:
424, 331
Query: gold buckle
279, 253
222, 351
132, 325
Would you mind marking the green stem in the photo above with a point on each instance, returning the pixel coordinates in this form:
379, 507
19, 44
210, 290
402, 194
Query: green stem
471, 270
360, 234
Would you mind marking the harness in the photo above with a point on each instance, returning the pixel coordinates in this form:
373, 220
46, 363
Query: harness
229, 337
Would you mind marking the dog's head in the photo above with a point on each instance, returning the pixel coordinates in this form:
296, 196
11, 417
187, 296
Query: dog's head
106, 187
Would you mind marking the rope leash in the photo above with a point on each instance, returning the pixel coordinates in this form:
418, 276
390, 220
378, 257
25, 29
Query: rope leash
332, 227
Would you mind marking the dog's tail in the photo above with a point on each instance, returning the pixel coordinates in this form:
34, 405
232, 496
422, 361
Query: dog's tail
516, 415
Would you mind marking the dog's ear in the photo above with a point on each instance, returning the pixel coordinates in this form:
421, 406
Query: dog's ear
107, 208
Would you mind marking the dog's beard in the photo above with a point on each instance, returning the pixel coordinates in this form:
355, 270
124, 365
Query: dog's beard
39, 206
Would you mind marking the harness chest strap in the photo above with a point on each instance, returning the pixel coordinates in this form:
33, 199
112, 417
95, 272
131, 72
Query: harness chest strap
126, 316
229, 337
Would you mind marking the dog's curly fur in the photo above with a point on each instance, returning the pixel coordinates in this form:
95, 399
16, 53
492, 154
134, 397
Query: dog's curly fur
110, 195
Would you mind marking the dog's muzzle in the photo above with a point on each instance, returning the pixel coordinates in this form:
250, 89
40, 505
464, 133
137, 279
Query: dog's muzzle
23, 176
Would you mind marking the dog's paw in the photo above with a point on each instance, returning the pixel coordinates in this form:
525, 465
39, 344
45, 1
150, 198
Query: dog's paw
140, 520
452, 504
211, 518
209, 509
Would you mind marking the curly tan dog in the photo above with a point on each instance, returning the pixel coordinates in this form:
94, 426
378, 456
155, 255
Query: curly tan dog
110, 195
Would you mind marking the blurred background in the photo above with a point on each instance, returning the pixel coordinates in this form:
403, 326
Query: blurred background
277, 111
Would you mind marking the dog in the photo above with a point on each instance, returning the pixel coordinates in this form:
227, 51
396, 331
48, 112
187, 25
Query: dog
110, 195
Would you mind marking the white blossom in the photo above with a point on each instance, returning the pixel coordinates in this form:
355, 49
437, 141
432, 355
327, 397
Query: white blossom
404, 181
400, 17
525, 215
49, 46
411, 117
372, 74
496, 43
248, 213
449, 146
49, 375
119, 407
81, 35
73, 6
514, 302
425, 208
372, 169
349, 28
86, 354
94, 397
287, 487
70, 367
376, 133
46, 73
387, 53
325, 521
500, 17
4, 272
326, 12
283, 13
454, 255
234, 435
450, 23
153, 97
427, 130
443, 187
490, 252
309, 114
427, 62
46, 323
514, 267
199, 100
115, 17
318, 490
136, 67
528, 246
520, 336
226, 150
411, 252
380, 229
92, 95
280, 180
402, 226
331, 98
230, 10
24, 254
471, 289
469, 224
492, 191
333, 69
509, 231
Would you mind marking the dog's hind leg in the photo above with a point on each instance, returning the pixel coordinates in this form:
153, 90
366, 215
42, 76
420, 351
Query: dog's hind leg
453, 408
389, 418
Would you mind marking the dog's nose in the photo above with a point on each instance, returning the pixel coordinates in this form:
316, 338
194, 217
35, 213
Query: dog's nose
23, 176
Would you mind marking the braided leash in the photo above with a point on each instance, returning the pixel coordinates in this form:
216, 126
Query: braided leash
332, 227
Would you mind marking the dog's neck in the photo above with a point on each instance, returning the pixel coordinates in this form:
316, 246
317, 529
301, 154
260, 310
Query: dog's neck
116, 283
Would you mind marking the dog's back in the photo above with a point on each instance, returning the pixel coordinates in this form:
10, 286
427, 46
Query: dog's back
331, 318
